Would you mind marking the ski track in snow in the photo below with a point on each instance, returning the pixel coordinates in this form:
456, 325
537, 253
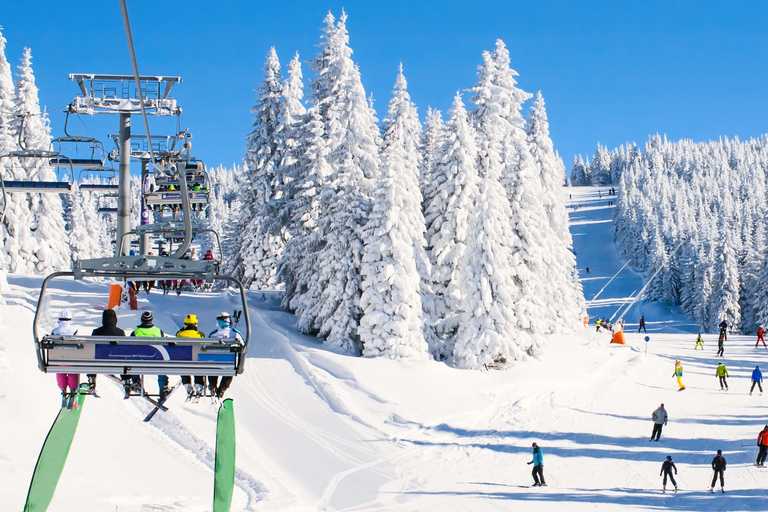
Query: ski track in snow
319, 430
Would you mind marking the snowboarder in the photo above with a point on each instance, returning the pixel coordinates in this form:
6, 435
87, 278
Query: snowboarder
721, 344
642, 325
718, 466
538, 466
225, 330
190, 331
722, 373
762, 443
147, 329
761, 337
679, 374
587, 269
659, 418
699, 342
757, 378
66, 380
666, 469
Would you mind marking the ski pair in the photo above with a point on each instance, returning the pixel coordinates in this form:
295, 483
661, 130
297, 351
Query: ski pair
159, 405
69, 400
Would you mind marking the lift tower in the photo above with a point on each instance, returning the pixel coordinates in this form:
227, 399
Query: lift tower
120, 94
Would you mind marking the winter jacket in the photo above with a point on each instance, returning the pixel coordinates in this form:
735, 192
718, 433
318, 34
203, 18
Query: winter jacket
65, 328
718, 463
757, 375
721, 371
190, 331
642, 321
723, 325
538, 457
659, 416
678, 371
226, 332
760, 332
147, 331
667, 467
762, 437
109, 328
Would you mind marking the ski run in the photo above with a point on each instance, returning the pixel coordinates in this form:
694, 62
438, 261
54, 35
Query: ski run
321, 430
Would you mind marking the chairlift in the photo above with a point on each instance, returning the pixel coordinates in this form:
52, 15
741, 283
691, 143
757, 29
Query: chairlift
102, 208
141, 356
99, 186
173, 231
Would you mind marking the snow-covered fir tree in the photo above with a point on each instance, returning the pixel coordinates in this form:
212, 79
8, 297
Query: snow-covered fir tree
52, 250
256, 258
392, 324
579, 172
600, 169
432, 141
331, 304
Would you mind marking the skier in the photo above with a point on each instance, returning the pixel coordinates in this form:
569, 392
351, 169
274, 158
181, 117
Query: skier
718, 466
679, 374
721, 344
722, 373
762, 442
666, 469
699, 342
64, 380
538, 466
148, 330
757, 378
190, 331
723, 327
642, 325
597, 324
587, 269
109, 328
761, 337
225, 330
659, 418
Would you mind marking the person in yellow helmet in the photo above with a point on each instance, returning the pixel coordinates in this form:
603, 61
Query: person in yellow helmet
679, 374
699, 342
190, 331
722, 374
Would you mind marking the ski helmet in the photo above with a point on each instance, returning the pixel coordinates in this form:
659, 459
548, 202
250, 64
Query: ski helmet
190, 319
669, 457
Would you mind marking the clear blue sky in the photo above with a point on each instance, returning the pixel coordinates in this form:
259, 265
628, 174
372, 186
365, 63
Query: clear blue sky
609, 71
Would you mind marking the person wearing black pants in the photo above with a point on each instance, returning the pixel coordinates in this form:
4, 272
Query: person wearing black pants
720, 344
718, 466
659, 418
666, 470
538, 466
762, 443
642, 325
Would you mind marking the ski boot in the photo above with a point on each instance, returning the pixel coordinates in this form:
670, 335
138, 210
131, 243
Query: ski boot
712, 489
92, 384
190, 392
664, 490
675, 489
63, 398
199, 391
164, 392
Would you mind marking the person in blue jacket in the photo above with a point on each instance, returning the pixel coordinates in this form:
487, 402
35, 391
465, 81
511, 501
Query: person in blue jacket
757, 378
538, 466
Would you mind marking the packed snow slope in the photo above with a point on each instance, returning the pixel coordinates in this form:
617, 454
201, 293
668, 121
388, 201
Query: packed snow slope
319, 430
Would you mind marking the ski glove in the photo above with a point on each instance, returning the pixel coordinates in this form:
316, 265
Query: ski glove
530, 462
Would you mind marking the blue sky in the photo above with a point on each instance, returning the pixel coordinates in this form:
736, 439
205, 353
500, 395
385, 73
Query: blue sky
609, 71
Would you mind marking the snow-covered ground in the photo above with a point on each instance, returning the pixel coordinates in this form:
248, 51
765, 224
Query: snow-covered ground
318, 430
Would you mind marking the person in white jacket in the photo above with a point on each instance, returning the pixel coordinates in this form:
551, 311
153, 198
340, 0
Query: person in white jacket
659, 418
225, 330
66, 380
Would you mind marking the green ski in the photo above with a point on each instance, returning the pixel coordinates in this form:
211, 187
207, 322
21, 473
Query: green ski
224, 475
53, 456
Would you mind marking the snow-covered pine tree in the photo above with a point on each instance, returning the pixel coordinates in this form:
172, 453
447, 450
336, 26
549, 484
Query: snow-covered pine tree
600, 169
579, 172
432, 140
448, 213
256, 257
49, 230
331, 304
568, 299
81, 241
394, 261
724, 301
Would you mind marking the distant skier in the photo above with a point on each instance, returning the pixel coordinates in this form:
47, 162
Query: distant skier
721, 344
699, 342
723, 326
64, 380
762, 443
597, 324
761, 337
722, 373
666, 469
642, 325
679, 374
718, 466
587, 269
659, 418
538, 466
757, 378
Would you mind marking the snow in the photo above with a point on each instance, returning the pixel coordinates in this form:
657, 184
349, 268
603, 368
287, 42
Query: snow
321, 430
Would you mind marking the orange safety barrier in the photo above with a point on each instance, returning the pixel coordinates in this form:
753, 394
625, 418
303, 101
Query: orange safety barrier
115, 292
618, 337
586, 321
132, 299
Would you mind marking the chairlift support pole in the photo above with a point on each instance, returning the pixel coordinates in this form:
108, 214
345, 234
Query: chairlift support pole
144, 219
124, 180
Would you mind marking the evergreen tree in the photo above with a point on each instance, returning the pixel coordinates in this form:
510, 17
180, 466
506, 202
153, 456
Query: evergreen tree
434, 136
579, 173
394, 261
600, 170
51, 251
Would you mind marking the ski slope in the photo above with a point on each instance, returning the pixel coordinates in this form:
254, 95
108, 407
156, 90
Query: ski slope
318, 430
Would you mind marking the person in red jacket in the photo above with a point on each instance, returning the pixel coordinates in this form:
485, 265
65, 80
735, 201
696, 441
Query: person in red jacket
761, 337
762, 443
